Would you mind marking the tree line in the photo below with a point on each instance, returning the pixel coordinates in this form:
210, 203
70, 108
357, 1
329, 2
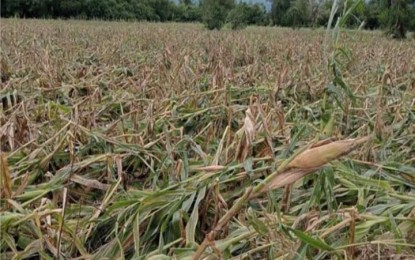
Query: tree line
150, 10
396, 16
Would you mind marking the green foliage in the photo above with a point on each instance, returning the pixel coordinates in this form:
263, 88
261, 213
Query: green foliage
188, 13
237, 18
298, 15
398, 17
356, 17
245, 14
278, 12
121, 143
371, 13
151, 10
323, 13
356, 10
214, 12
27, 8
68, 8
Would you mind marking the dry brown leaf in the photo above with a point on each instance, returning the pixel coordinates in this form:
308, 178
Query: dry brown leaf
309, 161
23, 183
178, 169
245, 144
211, 168
320, 155
284, 178
249, 125
6, 182
10, 135
89, 183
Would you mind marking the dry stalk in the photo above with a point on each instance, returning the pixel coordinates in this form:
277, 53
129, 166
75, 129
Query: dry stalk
306, 162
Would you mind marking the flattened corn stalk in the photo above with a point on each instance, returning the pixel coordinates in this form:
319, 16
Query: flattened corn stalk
304, 162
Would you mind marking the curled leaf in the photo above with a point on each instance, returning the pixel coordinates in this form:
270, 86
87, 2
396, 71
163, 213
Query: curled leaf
320, 155
245, 144
307, 162
5, 180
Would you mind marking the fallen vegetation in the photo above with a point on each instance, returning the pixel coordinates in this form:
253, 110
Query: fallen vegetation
159, 141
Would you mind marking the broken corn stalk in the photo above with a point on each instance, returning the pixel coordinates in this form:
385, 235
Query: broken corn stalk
318, 156
307, 162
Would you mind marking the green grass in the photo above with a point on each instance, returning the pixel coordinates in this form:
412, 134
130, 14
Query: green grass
155, 141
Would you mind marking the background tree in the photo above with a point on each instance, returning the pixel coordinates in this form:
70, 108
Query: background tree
214, 12
188, 12
246, 14
151, 10
186, 2
398, 17
257, 14
298, 15
279, 10
372, 12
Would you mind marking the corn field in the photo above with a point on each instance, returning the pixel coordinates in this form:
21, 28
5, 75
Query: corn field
167, 141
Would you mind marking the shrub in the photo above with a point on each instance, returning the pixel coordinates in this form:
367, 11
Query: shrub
214, 12
246, 14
